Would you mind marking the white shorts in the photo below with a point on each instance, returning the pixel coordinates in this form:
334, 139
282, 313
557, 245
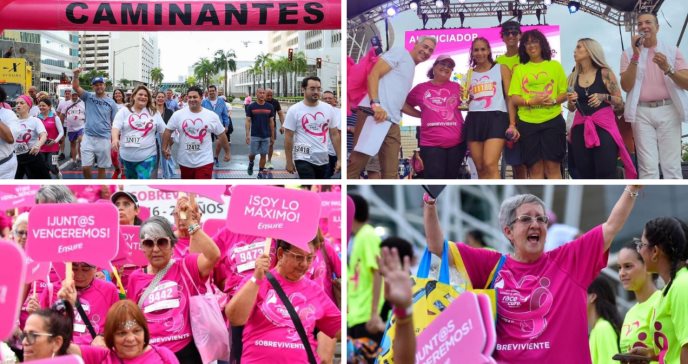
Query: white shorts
94, 149
9, 168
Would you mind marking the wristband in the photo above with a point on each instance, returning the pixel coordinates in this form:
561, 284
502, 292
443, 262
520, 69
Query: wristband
428, 200
193, 228
633, 195
255, 280
402, 313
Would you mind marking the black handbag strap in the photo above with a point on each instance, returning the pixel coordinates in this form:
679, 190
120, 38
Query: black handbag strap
294, 316
82, 313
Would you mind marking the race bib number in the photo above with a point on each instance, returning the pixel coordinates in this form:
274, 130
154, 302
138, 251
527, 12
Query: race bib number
165, 296
54, 160
302, 150
245, 257
193, 147
21, 148
132, 141
80, 328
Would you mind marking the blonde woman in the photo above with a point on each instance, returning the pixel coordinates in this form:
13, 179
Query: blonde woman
594, 94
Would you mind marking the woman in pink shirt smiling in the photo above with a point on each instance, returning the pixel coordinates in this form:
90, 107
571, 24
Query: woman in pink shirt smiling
270, 335
441, 141
541, 308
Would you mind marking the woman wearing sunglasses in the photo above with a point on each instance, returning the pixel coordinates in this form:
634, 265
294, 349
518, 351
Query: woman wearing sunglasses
127, 339
541, 311
162, 289
269, 334
48, 333
441, 141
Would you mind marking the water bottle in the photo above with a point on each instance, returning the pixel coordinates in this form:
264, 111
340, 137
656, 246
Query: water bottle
509, 139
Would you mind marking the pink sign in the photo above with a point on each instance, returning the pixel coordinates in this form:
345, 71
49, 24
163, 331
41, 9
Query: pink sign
212, 226
212, 15
213, 192
12, 272
36, 271
144, 213
279, 213
330, 201
130, 251
73, 233
17, 196
460, 334
67, 359
350, 210
334, 224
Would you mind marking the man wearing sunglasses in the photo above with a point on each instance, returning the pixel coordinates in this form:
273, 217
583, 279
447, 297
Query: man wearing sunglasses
511, 35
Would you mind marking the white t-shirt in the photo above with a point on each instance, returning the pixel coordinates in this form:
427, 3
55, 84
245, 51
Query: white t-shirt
75, 116
137, 133
195, 144
34, 111
311, 125
63, 104
7, 117
338, 116
26, 133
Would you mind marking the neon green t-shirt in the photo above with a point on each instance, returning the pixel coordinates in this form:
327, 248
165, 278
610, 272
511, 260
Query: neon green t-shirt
602, 342
509, 61
635, 331
670, 331
544, 78
362, 262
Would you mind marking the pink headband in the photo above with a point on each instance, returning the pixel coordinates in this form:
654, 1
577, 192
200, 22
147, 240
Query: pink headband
27, 99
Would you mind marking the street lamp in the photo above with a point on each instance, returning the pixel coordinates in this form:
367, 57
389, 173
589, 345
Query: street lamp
114, 62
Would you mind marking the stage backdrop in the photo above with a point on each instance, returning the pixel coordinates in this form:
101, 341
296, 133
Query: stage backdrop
457, 44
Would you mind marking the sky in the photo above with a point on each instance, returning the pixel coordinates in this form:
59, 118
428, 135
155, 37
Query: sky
572, 26
179, 50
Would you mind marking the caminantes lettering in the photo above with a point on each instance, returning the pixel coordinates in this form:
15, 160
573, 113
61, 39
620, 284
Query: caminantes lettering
138, 14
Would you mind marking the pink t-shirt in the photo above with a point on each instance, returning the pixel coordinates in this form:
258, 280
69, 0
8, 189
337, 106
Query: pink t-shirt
440, 119
321, 273
238, 254
167, 307
98, 355
50, 124
181, 248
40, 287
541, 306
654, 87
269, 334
96, 301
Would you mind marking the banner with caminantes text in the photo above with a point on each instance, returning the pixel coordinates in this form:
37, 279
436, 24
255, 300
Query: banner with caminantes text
457, 44
170, 15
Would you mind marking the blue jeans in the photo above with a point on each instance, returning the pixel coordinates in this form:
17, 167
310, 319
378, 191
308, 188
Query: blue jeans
167, 165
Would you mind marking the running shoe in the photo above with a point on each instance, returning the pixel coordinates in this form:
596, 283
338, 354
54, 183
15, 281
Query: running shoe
249, 170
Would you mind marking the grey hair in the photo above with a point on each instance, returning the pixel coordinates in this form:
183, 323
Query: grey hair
21, 218
424, 38
157, 226
55, 194
507, 212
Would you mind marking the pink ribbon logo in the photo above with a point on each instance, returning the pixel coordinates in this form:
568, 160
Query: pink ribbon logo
189, 128
547, 90
315, 127
441, 101
25, 137
136, 123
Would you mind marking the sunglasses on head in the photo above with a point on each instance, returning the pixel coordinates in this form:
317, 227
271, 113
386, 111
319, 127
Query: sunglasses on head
162, 242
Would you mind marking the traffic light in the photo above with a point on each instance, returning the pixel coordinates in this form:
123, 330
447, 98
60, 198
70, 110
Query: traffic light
318, 62
291, 54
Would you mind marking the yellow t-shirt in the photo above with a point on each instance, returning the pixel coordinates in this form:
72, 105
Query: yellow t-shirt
509, 61
544, 78
636, 327
670, 331
602, 342
362, 263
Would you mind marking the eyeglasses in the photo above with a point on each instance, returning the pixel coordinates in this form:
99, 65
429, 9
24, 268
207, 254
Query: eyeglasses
21, 233
301, 258
31, 336
639, 244
162, 243
526, 219
512, 33
445, 65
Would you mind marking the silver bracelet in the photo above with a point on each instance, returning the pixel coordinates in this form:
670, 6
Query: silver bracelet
631, 193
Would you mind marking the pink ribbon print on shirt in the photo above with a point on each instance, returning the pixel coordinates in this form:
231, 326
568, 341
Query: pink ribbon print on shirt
532, 79
442, 102
316, 125
277, 314
192, 131
527, 311
138, 122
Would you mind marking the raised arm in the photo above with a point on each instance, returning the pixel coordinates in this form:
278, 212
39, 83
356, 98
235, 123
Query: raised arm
75, 82
398, 292
238, 310
433, 231
200, 242
617, 218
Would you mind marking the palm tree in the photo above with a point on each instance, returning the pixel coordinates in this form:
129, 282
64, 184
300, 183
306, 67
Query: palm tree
255, 70
262, 60
190, 81
224, 61
124, 82
157, 77
282, 66
299, 66
203, 69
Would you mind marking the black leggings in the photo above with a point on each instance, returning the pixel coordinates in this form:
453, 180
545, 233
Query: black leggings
32, 167
594, 163
189, 354
442, 163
